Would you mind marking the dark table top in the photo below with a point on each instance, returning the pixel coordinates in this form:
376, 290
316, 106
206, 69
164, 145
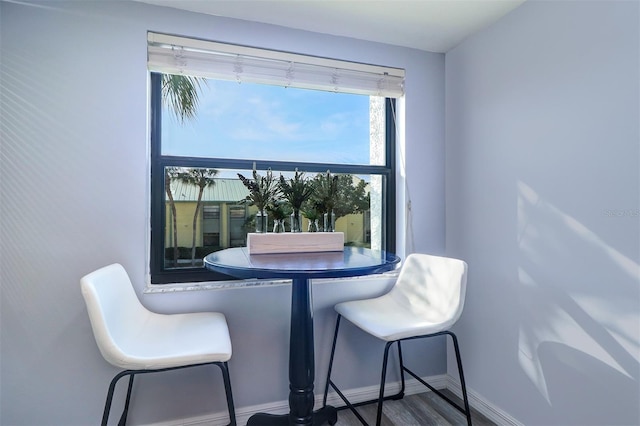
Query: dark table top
353, 261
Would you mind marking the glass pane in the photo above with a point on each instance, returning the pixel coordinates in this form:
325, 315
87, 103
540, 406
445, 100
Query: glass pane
253, 121
224, 218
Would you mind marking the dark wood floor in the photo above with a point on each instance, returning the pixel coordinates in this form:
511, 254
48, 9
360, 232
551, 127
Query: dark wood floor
414, 410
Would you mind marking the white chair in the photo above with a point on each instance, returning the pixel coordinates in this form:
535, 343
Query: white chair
140, 341
426, 300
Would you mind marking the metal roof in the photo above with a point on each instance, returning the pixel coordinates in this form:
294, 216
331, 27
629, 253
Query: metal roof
224, 190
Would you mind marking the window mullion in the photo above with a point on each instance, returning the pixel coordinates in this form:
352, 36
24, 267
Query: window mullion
390, 183
285, 166
158, 210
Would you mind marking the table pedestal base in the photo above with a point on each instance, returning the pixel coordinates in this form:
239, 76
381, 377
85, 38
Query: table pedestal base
327, 414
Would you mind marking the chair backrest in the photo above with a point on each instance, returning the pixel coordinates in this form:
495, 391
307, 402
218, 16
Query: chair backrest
432, 287
114, 309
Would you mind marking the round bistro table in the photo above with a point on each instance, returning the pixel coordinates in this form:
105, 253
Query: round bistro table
301, 268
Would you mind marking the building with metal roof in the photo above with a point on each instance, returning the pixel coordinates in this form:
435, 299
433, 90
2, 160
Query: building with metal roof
225, 190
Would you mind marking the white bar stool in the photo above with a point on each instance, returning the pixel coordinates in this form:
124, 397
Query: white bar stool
140, 341
426, 300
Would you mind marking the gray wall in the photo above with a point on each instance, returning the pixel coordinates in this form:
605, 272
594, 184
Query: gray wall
74, 197
543, 186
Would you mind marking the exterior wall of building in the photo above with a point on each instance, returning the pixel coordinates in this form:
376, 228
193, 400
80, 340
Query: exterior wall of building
352, 225
184, 214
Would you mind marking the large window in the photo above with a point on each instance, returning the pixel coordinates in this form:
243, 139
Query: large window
239, 124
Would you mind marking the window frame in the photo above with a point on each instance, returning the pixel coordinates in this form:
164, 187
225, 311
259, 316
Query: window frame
160, 275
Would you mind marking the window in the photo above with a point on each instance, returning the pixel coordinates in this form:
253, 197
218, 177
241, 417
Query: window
243, 122
211, 226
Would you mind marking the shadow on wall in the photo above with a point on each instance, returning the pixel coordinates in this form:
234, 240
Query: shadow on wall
571, 373
580, 319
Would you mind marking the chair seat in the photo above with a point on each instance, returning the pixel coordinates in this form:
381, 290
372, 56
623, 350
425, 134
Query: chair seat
388, 320
164, 341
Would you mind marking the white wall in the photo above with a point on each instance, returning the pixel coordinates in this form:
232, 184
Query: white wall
74, 197
543, 190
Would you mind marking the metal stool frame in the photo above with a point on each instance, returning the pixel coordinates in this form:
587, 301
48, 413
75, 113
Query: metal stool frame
224, 368
381, 398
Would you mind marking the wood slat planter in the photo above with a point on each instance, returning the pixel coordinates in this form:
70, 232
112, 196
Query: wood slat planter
294, 242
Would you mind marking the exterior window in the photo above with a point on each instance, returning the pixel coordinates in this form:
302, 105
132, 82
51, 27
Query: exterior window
237, 226
198, 201
211, 226
212, 212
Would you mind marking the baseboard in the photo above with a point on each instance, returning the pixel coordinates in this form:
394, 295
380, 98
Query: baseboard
481, 405
412, 386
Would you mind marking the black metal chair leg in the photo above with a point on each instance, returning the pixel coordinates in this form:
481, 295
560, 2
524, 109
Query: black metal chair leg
125, 411
107, 404
381, 397
382, 380
333, 351
112, 387
400, 394
461, 374
224, 367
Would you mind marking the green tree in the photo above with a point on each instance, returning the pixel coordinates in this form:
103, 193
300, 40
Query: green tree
341, 194
171, 173
202, 178
352, 196
180, 96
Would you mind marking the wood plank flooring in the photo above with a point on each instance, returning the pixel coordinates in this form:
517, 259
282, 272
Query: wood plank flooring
423, 409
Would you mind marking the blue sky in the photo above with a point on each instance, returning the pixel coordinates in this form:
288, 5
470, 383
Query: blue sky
269, 122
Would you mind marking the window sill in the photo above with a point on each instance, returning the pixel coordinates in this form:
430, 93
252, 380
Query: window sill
223, 285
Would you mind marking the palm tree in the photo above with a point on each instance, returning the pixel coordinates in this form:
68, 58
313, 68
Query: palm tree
202, 178
180, 95
171, 173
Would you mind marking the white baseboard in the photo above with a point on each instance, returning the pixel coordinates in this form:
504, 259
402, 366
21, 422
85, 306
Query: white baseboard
481, 405
412, 386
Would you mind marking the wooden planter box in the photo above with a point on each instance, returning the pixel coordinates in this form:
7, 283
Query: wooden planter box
294, 242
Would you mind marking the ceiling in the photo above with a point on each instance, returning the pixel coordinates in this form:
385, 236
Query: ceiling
431, 25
